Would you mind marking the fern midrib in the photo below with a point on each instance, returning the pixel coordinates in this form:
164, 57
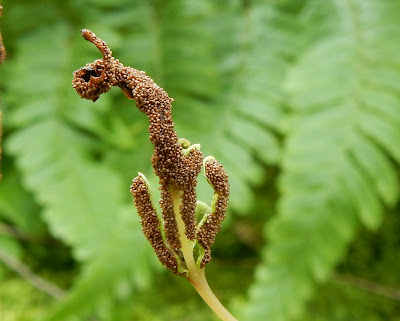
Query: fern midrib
244, 49
246, 39
244, 55
354, 27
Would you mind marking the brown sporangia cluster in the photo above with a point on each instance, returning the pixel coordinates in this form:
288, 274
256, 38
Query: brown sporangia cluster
175, 162
218, 178
151, 223
2, 49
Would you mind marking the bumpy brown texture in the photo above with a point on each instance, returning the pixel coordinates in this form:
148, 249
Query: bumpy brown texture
170, 165
218, 178
168, 215
176, 170
2, 49
151, 224
188, 205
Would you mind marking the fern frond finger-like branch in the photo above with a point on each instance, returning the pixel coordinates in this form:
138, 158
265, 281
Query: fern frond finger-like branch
151, 224
218, 179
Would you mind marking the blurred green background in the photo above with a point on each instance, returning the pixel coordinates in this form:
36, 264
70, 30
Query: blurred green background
299, 100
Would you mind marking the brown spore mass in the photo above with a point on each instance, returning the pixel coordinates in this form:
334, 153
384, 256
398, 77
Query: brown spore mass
175, 169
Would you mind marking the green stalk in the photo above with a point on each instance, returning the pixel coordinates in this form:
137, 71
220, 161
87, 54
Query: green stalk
196, 275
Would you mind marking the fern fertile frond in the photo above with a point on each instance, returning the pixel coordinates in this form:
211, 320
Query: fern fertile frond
340, 153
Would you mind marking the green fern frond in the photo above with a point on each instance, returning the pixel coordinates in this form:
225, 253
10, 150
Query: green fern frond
245, 111
340, 151
125, 261
22, 214
81, 198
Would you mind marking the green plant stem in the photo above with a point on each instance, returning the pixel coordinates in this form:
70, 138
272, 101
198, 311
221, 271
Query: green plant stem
196, 274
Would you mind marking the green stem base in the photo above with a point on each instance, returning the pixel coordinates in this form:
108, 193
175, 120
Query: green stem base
196, 275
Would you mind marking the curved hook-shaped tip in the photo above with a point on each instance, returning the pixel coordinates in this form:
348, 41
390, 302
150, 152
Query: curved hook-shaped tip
87, 34
100, 44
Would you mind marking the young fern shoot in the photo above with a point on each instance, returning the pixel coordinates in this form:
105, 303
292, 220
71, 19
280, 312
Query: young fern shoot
181, 244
